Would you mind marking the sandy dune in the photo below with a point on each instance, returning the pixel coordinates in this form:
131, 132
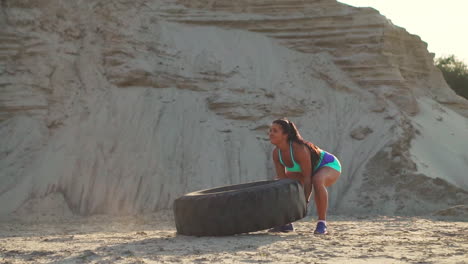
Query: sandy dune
132, 113
153, 239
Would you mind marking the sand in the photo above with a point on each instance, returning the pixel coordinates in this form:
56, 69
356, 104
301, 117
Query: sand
153, 239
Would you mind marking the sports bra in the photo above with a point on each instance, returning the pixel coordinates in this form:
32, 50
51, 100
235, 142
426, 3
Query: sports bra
295, 167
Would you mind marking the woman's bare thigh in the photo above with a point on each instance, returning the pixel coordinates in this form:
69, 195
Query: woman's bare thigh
326, 174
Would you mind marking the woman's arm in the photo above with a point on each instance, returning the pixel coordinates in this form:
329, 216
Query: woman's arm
302, 156
280, 173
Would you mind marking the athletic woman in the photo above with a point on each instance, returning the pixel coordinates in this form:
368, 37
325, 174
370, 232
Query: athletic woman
302, 160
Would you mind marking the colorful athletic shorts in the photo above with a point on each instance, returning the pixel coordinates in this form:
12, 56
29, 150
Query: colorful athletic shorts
328, 160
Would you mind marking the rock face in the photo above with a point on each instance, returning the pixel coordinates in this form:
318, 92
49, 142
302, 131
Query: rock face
122, 106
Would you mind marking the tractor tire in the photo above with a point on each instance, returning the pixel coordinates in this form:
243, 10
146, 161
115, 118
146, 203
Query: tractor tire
239, 208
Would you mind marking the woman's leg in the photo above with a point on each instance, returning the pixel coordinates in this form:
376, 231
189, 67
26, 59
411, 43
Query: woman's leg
322, 179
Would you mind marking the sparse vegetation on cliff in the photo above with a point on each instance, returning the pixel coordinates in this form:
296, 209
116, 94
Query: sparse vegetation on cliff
455, 73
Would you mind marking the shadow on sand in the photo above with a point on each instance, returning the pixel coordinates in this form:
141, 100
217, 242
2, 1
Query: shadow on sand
175, 246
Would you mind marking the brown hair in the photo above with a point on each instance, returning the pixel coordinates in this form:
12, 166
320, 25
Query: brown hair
290, 128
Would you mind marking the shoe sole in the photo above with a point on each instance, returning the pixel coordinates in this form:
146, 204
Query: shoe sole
317, 233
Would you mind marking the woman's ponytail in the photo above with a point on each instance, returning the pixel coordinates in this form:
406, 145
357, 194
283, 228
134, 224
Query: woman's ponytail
294, 133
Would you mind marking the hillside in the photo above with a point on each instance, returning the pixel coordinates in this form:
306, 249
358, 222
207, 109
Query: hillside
120, 107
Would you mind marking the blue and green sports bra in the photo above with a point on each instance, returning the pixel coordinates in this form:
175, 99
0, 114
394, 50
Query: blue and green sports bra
295, 167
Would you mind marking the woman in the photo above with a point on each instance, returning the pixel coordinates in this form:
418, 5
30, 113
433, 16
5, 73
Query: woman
313, 167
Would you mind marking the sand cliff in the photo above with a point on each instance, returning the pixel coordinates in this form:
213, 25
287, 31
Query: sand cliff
120, 107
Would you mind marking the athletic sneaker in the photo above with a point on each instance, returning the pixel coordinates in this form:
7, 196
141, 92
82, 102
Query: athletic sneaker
321, 229
284, 229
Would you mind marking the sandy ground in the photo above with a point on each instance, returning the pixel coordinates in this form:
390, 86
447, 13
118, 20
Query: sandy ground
153, 239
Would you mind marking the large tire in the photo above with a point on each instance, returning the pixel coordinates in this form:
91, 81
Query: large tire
240, 208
